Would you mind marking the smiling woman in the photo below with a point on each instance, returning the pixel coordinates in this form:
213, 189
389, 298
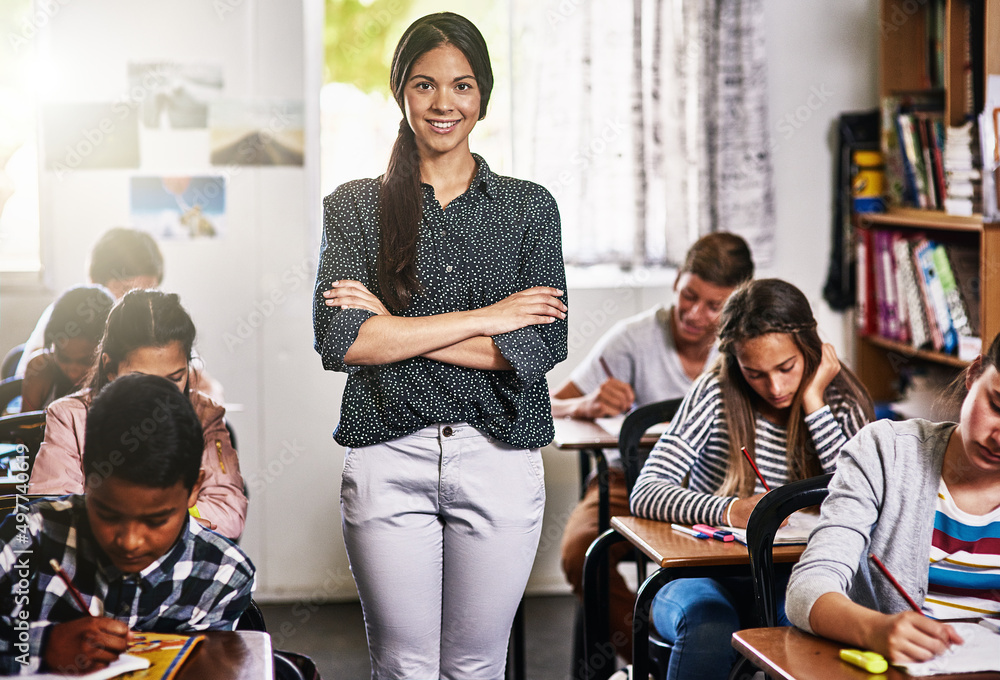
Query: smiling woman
441, 293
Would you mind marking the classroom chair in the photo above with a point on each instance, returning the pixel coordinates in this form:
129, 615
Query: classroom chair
10, 361
10, 389
634, 455
763, 524
27, 429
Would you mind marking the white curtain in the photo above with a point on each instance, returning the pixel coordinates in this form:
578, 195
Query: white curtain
648, 122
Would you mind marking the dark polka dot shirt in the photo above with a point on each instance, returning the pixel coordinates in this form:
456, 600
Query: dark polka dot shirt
499, 237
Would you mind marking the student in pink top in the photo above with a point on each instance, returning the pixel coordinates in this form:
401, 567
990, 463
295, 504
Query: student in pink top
148, 332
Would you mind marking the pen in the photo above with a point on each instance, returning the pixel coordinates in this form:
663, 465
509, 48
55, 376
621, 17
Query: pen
604, 365
717, 534
895, 583
754, 466
689, 531
218, 450
872, 662
77, 597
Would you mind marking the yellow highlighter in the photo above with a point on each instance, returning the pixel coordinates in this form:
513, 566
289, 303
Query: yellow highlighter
193, 511
869, 661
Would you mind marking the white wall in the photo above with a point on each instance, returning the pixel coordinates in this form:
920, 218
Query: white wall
290, 403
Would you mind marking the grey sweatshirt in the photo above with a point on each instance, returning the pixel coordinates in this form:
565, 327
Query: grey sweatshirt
882, 500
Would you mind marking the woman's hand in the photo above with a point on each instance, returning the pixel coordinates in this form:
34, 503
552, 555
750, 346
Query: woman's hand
829, 367
910, 637
348, 294
530, 307
740, 510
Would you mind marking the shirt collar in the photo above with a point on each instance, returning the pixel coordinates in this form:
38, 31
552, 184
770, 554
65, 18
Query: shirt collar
484, 181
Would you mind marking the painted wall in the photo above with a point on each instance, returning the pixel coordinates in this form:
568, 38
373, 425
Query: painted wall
254, 285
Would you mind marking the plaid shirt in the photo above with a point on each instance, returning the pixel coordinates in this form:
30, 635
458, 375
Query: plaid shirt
203, 582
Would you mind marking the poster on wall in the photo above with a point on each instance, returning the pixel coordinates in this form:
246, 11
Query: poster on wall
90, 135
179, 207
172, 95
250, 132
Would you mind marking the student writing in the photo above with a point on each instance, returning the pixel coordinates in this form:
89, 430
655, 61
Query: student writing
652, 356
925, 498
147, 332
128, 544
782, 393
72, 334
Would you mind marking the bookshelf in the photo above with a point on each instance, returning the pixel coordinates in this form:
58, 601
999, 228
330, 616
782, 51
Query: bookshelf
934, 68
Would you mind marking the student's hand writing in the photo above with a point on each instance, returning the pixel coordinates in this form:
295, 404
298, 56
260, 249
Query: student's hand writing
829, 367
533, 306
911, 637
611, 398
348, 294
85, 644
742, 508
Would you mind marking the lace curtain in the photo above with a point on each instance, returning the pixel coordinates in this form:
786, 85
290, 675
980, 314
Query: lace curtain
647, 121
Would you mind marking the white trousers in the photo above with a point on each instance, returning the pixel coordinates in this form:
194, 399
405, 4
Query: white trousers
441, 528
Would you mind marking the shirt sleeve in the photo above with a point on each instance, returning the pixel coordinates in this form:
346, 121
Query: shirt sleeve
534, 350
830, 427
18, 537
221, 499
342, 256
225, 598
659, 492
58, 466
837, 545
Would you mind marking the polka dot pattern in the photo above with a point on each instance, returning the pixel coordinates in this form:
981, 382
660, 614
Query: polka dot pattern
499, 237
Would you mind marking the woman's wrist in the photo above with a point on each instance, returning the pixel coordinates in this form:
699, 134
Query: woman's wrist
729, 510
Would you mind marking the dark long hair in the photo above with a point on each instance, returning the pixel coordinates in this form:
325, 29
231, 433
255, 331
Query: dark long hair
758, 308
142, 318
400, 195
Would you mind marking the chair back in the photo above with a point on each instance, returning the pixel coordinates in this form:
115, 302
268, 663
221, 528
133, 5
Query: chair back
635, 425
25, 430
767, 516
10, 360
10, 389
252, 618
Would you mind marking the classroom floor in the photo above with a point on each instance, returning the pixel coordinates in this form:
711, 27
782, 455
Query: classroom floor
333, 635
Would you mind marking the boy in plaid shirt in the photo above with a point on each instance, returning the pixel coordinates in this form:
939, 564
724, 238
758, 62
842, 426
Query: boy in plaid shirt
128, 544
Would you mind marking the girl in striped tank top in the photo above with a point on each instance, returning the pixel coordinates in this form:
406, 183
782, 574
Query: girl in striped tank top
925, 498
781, 392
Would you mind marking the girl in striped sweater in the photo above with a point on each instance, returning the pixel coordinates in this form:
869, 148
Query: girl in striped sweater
925, 498
782, 393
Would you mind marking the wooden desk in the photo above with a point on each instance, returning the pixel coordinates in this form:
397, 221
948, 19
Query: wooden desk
677, 555
237, 655
791, 654
590, 439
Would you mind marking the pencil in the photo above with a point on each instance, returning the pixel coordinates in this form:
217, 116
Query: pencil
895, 583
604, 365
77, 597
755, 469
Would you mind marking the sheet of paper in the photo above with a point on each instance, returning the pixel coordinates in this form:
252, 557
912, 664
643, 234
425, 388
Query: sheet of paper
979, 653
126, 663
796, 532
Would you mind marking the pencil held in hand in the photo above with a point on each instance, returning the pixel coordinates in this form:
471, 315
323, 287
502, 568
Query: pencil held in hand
604, 365
895, 583
77, 597
755, 469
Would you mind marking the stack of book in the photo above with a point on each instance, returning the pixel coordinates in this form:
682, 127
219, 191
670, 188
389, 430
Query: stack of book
920, 292
921, 144
963, 171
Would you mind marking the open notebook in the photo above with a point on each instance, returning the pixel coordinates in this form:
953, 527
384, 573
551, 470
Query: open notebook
978, 654
796, 532
151, 656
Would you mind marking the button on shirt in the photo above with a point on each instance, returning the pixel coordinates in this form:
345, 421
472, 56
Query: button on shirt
499, 237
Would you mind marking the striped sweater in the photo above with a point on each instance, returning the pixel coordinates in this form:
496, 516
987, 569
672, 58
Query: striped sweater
696, 446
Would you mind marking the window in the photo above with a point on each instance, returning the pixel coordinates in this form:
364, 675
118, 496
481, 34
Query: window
19, 233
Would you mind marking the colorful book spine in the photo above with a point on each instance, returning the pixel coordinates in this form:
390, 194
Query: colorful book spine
936, 297
910, 292
956, 307
867, 317
904, 332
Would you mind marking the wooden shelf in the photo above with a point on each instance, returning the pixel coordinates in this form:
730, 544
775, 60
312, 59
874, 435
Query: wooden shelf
909, 352
915, 218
